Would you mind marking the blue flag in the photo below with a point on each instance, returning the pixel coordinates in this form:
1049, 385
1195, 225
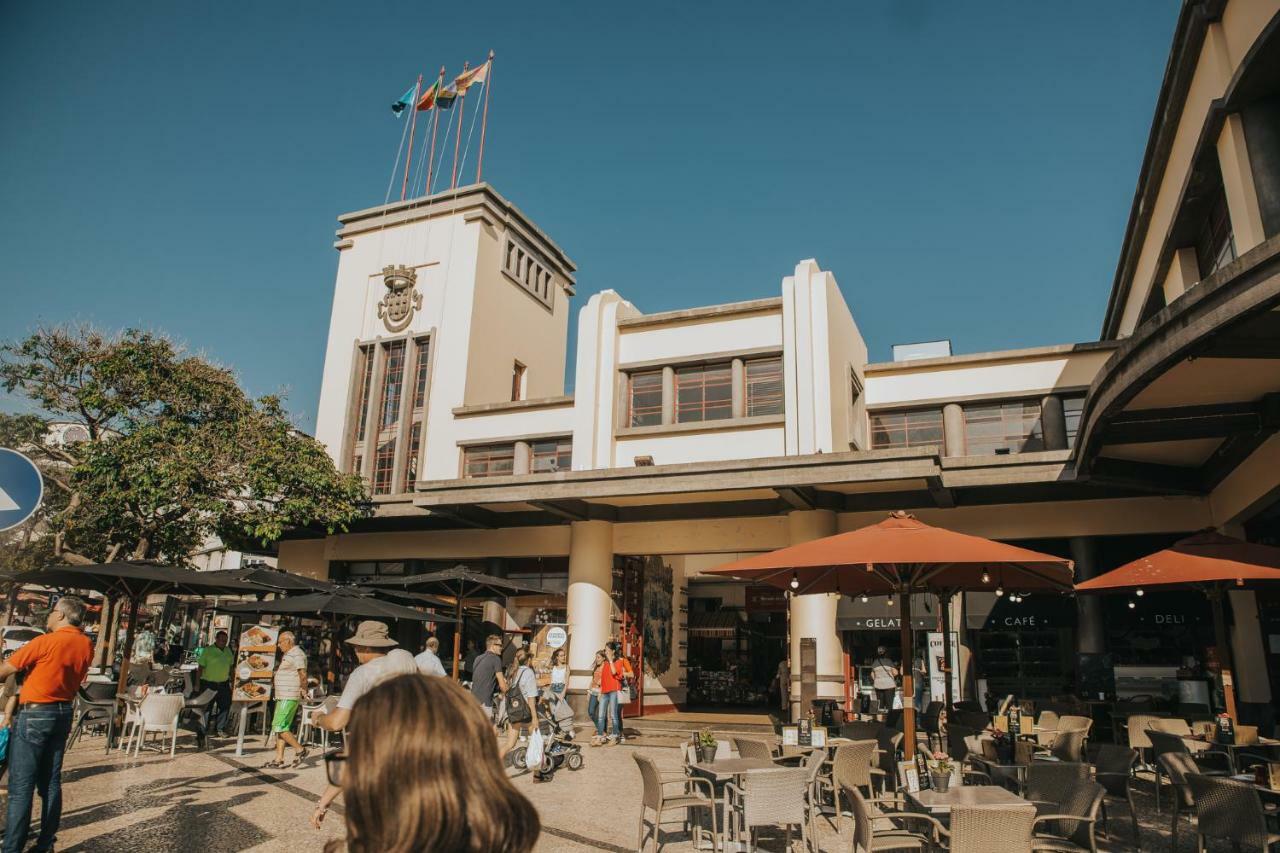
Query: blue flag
404, 102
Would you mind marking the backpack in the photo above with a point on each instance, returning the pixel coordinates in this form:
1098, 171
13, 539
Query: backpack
516, 706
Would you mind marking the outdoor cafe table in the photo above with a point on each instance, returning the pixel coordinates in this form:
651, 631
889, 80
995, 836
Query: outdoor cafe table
728, 770
940, 804
1233, 749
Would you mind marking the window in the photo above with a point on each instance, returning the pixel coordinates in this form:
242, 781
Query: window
764, 387
906, 429
1072, 407
524, 269
383, 467
489, 460
855, 425
393, 442
373, 569
704, 393
1216, 245
645, 398
1013, 427
517, 381
555, 454
392, 385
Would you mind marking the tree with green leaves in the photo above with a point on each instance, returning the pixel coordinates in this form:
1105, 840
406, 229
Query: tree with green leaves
175, 453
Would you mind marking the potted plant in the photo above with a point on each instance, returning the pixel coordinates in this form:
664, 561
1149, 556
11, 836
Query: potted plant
940, 770
705, 743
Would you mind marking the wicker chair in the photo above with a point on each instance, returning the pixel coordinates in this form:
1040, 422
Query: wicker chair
1230, 810
1138, 725
1180, 728
888, 742
1070, 830
1207, 763
852, 767
991, 829
1178, 766
867, 836
1113, 770
654, 797
818, 768
1050, 783
772, 798
1068, 745
861, 729
957, 734
930, 722
1047, 727
750, 748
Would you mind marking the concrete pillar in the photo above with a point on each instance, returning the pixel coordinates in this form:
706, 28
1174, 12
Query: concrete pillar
739, 388
1053, 422
1091, 635
523, 461
953, 430
1184, 273
668, 395
494, 611
589, 602
1247, 652
815, 615
1237, 181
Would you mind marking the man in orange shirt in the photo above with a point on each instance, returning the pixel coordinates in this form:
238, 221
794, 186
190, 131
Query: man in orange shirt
56, 664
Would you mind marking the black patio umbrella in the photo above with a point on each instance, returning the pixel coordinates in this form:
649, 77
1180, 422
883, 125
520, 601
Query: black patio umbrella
337, 603
402, 596
135, 580
278, 580
460, 583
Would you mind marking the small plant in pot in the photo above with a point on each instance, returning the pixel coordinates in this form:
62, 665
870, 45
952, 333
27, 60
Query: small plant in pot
1004, 747
706, 743
940, 770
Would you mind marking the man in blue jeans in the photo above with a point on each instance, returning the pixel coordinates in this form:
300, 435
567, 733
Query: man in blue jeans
56, 664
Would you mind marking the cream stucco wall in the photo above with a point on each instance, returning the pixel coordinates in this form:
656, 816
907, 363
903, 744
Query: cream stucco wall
939, 380
718, 444
704, 337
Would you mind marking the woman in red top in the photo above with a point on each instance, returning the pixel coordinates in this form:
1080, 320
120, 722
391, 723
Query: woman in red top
614, 674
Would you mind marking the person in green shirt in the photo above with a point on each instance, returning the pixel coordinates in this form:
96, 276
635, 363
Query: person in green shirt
215, 674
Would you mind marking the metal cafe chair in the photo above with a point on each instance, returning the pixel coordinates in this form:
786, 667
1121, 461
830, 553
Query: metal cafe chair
751, 748
1071, 829
1230, 810
1049, 784
655, 798
990, 829
852, 767
877, 830
1207, 763
772, 798
1178, 766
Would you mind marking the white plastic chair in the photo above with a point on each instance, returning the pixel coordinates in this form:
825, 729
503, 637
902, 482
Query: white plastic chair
131, 717
329, 705
158, 713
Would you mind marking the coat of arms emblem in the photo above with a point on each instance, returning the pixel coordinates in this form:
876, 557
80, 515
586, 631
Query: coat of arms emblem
402, 297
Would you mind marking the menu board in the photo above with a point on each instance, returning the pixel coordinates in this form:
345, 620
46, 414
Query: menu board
805, 734
1226, 729
255, 663
546, 641
910, 776
790, 735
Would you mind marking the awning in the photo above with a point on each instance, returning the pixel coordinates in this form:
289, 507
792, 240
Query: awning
875, 614
718, 625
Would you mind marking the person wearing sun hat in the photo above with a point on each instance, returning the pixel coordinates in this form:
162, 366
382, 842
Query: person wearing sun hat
380, 658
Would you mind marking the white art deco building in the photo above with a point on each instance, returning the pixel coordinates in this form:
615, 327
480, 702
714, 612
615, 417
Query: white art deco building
692, 437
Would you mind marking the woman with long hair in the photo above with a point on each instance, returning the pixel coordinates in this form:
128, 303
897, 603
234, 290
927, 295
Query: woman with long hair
421, 771
521, 680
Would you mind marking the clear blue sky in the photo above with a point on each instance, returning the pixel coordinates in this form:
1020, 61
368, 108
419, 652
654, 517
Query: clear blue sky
965, 169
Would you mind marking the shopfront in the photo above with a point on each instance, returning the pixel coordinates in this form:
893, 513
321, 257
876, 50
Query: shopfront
736, 639
1024, 646
866, 626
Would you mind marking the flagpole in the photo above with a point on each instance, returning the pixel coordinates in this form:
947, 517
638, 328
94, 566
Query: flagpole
457, 137
484, 116
435, 123
413, 124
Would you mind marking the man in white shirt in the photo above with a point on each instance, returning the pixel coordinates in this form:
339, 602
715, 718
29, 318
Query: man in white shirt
379, 660
429, 661
290, 679
884, 678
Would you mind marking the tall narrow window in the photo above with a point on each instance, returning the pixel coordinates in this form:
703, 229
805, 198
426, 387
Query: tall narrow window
384, 467
1010, 427
411, 457
490, 460
704, 393
553, 454
392, 385
413, 450
1072, 407
906, 429
361, 414
764, 387
517, 381
645, 399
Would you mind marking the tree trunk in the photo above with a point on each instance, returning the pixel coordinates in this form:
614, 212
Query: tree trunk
114, 631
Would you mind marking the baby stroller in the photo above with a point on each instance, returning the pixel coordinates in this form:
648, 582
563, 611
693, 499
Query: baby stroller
555, 723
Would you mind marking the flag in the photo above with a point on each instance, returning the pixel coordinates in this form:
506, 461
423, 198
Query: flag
474, 77
403, 101
446, 96
429, 97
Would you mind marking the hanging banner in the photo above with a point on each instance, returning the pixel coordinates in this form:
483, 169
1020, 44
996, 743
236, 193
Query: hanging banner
937, 681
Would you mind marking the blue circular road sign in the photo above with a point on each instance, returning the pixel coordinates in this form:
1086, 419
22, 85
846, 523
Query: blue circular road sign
21, 488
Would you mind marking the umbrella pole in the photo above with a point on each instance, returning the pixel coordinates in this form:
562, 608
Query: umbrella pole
944, 602
1224, 651
458, 634
908, 712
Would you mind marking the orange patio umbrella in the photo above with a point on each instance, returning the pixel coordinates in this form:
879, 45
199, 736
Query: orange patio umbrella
902, 555
1207, 561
